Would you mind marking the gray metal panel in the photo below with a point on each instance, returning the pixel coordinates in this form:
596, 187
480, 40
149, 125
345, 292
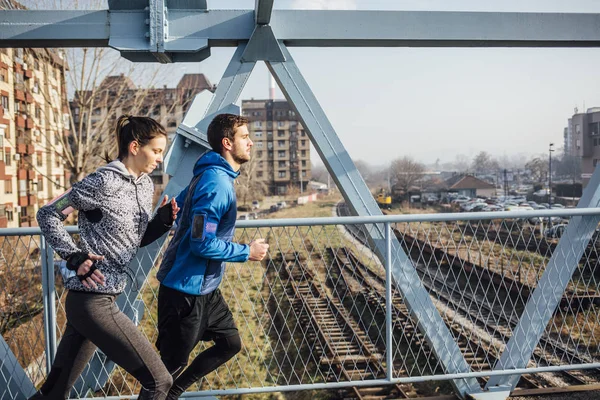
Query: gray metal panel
263, 10
262, 46
20, 28
357, 195
14, 383
551, 286
318, 28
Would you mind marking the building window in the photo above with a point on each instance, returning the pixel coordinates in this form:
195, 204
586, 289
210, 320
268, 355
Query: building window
3, 74
258, 134
292, 114
5, 102
7, 158
304, 163
281, 164
269, 133
8, 189
269, 145
303, 153
57, 182
303, 143
257, 124
40, 185
280, 124
578, 144
259, 145
281, 153
9, 215
281, 174
280, 133
304, 174
281, 143
269, 124
302, 133
39, 159
259, 174
38, 112
18, 77
57, 162
259, 154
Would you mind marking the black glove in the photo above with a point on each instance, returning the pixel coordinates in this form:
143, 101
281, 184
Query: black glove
76, 259
165, 214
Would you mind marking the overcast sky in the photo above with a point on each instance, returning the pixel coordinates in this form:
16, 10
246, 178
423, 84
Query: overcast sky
435, 103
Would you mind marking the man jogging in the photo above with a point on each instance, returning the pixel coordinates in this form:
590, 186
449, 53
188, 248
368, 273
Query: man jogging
190, 305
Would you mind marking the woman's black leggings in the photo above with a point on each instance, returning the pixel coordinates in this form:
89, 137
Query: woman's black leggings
94, 320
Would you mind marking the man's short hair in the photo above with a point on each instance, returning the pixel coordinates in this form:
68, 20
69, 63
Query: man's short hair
223, 126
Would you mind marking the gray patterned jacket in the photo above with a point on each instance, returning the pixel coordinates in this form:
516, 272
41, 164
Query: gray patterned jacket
115, 209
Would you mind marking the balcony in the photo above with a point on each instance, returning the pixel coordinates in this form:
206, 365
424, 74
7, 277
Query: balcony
2, 170
29, 98
20, 121
28, 199
29, 124
19, 94
28, 74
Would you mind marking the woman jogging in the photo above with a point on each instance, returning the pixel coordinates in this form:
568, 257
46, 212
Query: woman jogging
115, 206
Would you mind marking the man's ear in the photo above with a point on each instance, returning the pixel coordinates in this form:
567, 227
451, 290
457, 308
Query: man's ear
227, 143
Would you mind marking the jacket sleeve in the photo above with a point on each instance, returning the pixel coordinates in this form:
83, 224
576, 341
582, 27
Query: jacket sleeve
85, 195
212, 199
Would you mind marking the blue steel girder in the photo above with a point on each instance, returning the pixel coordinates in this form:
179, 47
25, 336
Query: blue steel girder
198, 29
550, 288
361, 201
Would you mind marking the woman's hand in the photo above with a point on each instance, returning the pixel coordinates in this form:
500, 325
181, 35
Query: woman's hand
88, 274
173, 206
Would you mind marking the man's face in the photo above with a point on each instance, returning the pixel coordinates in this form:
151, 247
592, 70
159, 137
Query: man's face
242, 144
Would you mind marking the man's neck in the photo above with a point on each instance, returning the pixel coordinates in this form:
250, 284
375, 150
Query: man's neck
234, 165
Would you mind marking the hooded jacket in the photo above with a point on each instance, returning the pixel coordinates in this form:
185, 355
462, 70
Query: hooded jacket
195, 259
115, 208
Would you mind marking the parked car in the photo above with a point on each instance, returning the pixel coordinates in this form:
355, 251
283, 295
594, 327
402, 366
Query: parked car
273, 208
255, 205
555, 232
243, 217
281, 204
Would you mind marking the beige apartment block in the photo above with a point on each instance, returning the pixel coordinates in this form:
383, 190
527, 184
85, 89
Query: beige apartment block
281, 145
118, 95
33, 111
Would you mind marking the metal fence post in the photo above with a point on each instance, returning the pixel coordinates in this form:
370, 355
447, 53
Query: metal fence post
388, 302
49, 297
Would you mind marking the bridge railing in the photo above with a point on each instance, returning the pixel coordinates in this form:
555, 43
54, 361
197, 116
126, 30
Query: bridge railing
324, 311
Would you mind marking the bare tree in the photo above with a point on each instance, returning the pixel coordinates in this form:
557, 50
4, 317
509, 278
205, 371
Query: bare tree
248, 186
404, 173
461, 163
484, 162
539, 169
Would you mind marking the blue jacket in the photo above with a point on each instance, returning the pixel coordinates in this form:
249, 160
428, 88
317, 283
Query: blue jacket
195, 259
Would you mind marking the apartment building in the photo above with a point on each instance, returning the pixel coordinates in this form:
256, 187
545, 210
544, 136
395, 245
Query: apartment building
118, 95
281, 145
33, 112
583, 134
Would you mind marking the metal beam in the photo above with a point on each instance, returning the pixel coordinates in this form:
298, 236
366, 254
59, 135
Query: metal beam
308, 28
263, 10
359, 198
550, 288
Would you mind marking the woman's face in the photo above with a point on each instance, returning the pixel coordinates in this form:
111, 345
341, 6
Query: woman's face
148, 156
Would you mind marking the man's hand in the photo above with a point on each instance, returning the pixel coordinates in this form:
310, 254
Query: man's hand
96, 277
258, 249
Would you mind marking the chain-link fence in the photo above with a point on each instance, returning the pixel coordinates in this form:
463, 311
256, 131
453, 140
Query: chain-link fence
319, 312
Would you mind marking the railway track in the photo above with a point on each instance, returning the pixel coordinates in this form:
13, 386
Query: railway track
344, 348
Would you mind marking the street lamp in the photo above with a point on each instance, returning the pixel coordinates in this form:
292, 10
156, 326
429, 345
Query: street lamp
550, 150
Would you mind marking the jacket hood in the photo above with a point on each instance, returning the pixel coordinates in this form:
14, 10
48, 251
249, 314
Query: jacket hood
214, 160
118, 167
